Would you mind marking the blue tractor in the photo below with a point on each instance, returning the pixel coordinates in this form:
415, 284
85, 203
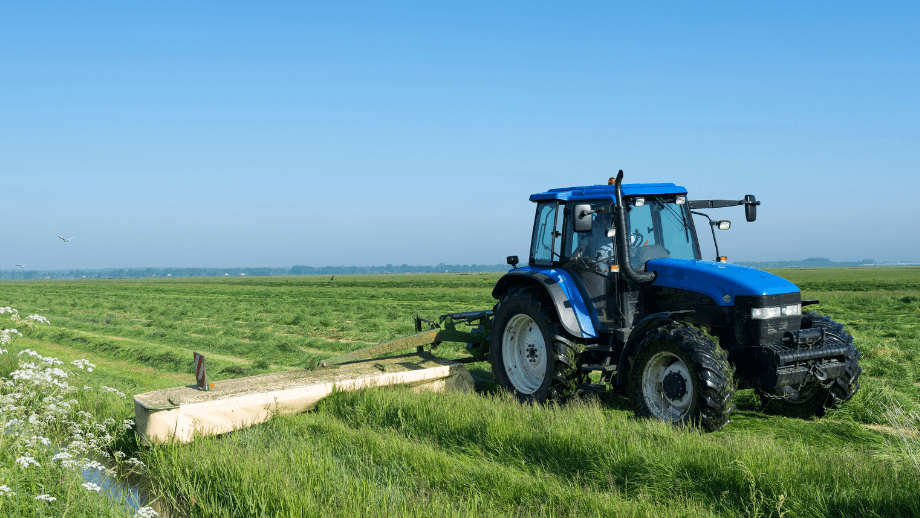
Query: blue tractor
615, 285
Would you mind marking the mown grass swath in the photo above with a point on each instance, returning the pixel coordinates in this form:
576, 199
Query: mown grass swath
396, 452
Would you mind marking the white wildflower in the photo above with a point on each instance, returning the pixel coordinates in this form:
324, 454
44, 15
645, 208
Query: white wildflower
93, 464
89, 486
61, 456
47, 498
4, 489
38, 318
146, 512
27, 461
134, 461
6, 336
83, 364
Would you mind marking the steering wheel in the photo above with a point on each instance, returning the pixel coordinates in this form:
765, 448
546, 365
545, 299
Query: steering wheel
635, 240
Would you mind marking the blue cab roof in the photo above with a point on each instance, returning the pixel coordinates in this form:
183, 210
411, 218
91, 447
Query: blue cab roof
594, 192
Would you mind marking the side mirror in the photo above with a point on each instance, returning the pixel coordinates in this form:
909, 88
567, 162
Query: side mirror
724, 224
750, 207
582, 219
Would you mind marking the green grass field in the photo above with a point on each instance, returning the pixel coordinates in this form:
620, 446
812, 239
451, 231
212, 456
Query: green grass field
393, 452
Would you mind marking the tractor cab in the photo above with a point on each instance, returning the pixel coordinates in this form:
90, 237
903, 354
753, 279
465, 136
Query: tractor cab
576, 235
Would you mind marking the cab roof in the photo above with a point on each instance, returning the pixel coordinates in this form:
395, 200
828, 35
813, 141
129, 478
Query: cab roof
594, 192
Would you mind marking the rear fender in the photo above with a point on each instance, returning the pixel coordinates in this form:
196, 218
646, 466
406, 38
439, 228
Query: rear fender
648, 323
574, 315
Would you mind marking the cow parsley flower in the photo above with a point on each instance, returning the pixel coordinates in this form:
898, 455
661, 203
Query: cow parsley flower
47, 498
94, 464
26, 461
4, 489
38, 318
61, 456
89, 486
83, 364
135, 462
146, 512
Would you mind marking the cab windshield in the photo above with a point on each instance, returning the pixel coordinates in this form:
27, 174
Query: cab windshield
660, 228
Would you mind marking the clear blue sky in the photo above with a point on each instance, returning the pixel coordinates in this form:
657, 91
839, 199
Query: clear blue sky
273, 134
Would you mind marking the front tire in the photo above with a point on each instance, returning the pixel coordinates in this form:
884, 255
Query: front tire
530, 358
813, 399
681, 375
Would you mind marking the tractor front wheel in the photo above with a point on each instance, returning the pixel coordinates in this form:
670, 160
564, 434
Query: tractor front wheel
681, 375
529, 356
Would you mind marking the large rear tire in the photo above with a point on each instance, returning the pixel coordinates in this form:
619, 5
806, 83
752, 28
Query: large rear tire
530, 357
814, 399
681, 375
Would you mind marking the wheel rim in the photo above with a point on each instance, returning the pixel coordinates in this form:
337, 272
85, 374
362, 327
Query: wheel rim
524, 354
667, 386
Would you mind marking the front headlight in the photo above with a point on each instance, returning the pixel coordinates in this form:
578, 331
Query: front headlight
776, 311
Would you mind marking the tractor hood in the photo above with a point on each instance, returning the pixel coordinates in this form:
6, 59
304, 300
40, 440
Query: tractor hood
720, 281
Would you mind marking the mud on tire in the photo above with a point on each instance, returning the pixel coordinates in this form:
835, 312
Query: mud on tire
531, 357
680, 374
813, 399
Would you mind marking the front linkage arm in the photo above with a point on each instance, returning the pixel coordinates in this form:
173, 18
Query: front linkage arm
444, 330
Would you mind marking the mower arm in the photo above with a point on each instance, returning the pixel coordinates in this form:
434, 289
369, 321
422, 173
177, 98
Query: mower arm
445, 330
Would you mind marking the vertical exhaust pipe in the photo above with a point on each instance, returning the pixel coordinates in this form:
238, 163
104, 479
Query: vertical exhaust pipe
623, 240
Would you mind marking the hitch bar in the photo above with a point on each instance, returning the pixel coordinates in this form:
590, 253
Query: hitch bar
444, 330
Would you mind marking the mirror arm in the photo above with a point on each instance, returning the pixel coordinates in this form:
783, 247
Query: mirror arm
712, 226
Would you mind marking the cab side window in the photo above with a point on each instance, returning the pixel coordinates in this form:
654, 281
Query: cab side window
546, 236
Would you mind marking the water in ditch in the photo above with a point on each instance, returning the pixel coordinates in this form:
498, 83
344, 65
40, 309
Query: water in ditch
129, 491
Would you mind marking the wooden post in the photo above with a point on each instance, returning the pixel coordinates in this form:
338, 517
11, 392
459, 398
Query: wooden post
199, 372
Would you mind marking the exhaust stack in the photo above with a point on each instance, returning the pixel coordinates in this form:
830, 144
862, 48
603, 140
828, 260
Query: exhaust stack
622, 240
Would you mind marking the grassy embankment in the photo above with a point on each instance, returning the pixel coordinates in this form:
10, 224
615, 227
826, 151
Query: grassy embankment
394, 452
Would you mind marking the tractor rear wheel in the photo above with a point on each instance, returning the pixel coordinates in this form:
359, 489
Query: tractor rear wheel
814, 399
681, 375
530, 357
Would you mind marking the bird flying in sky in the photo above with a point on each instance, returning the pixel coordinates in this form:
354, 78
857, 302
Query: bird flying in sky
65, 239
21, 265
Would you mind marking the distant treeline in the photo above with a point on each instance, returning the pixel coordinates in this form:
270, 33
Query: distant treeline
392, 268
236, 271
811, 262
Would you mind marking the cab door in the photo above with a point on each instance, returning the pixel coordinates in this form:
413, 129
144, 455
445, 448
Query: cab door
588, 256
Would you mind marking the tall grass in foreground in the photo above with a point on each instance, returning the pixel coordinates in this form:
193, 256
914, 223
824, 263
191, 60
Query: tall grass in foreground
48, 438
394, 452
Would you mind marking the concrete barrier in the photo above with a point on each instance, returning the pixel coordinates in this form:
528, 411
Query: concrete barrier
180, 414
